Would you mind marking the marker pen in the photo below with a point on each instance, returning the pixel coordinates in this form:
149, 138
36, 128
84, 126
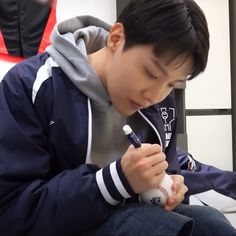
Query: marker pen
131, 136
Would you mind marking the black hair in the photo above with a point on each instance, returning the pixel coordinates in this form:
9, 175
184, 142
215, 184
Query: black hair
175, 27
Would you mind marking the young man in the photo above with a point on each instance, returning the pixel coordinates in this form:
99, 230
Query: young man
66, 166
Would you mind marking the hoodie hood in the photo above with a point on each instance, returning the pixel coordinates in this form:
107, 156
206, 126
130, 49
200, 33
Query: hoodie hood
72, 40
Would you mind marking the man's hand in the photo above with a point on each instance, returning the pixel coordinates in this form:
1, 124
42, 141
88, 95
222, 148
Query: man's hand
144, 167
179, 188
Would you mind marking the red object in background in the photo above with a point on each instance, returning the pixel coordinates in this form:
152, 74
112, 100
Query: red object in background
48, 29
26, 26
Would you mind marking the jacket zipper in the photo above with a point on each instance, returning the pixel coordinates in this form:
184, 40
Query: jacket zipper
89, 133
153, 127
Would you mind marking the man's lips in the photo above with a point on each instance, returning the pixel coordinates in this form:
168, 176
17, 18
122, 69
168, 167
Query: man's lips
136, 106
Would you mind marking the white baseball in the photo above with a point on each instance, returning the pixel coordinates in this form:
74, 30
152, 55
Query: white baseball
159, 195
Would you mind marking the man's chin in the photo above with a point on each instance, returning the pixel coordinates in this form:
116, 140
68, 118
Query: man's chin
126, 113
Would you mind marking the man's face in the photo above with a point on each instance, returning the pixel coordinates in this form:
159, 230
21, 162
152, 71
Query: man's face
136, 79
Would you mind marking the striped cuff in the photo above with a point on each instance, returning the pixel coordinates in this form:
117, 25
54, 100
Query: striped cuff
113, 184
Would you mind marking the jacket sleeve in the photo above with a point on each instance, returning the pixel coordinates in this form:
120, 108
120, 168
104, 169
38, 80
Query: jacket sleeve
33, 201
200, 177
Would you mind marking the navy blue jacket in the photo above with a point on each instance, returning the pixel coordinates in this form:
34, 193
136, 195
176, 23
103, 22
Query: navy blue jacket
46, 187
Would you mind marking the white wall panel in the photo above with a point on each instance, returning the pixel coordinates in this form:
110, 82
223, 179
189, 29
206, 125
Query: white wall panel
103, 9
210, 140
212, 89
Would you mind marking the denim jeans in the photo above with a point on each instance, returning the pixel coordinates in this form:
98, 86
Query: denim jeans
135, 219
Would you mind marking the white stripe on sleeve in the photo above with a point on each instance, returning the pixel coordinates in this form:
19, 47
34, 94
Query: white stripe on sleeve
116, 179
103, 189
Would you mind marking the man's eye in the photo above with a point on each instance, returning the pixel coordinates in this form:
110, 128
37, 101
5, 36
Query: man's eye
150, 74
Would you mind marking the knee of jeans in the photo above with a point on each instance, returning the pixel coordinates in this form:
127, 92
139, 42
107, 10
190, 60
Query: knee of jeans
212, 211
212, 215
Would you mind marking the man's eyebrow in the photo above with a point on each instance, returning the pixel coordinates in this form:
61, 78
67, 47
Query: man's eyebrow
158, 65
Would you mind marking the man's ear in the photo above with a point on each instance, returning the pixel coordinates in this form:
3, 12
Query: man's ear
116, 36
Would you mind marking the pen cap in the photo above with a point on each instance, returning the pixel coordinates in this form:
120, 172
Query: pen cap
127, 129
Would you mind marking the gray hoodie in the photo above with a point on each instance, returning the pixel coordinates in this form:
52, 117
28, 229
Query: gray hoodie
72, 40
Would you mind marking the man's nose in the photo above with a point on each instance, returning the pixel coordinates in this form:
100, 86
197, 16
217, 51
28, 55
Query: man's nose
154, 95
